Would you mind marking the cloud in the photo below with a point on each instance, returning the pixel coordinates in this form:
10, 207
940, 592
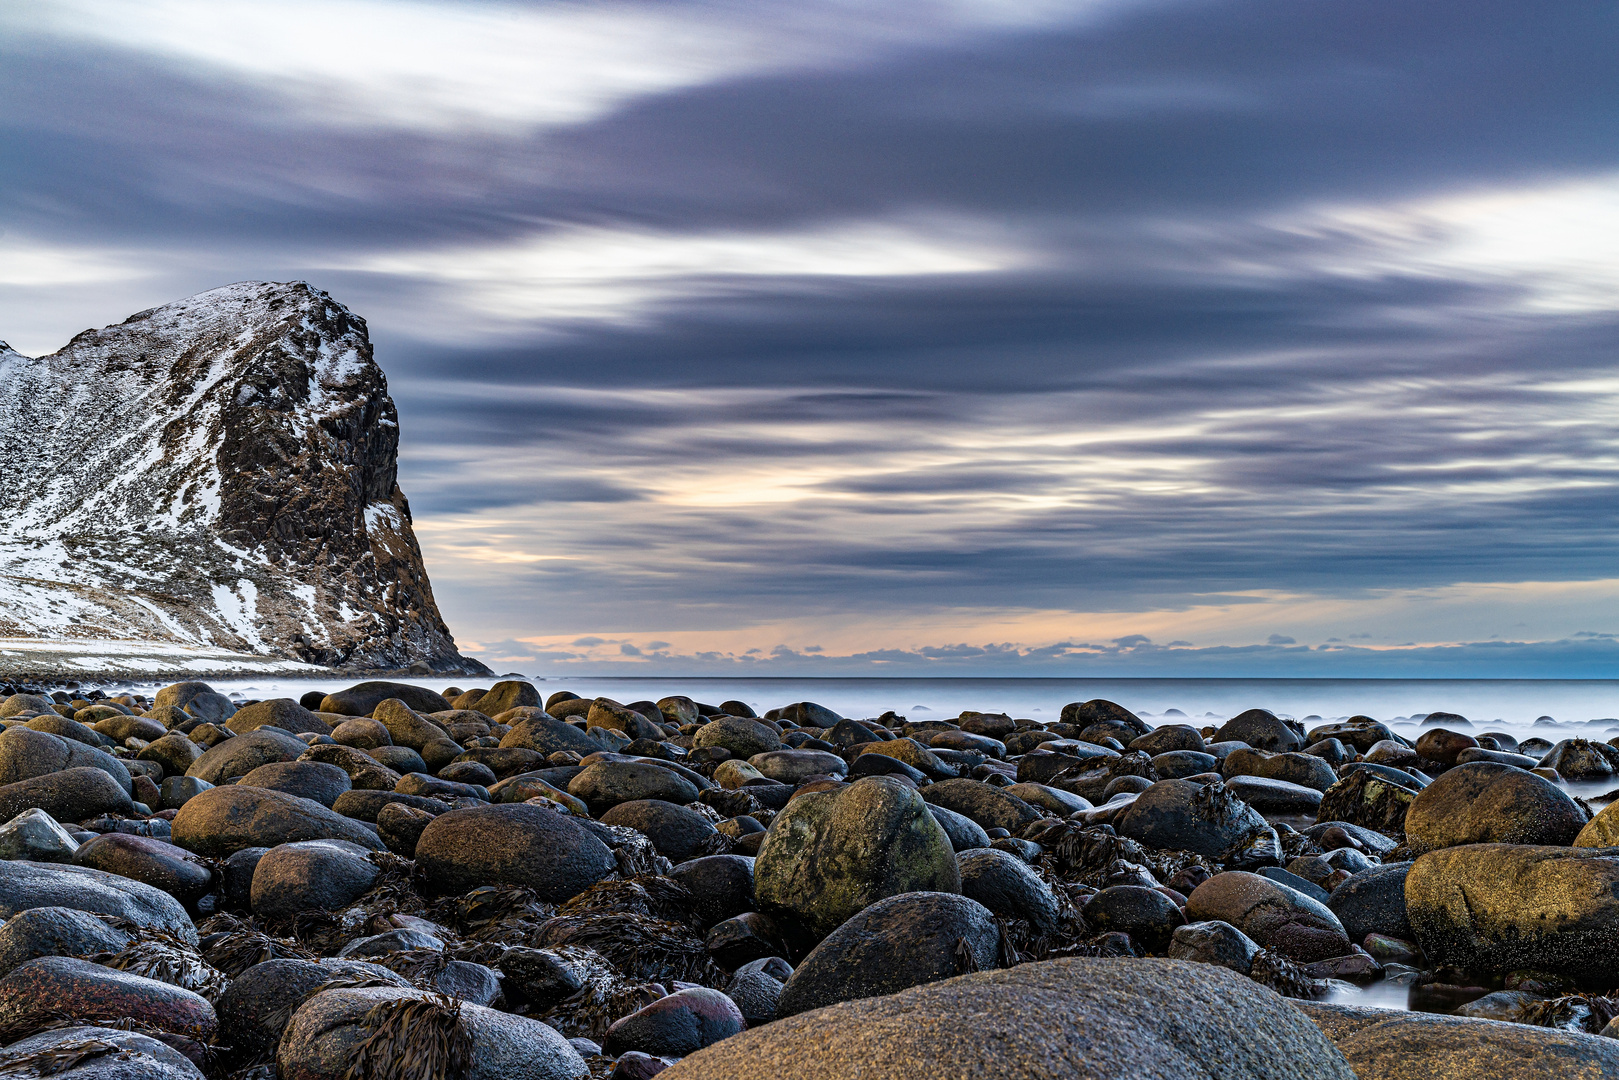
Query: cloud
1280, 639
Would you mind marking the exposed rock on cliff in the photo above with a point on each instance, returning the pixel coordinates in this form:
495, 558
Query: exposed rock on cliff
217, 471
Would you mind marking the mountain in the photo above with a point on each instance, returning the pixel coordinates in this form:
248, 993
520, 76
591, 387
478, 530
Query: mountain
219, 471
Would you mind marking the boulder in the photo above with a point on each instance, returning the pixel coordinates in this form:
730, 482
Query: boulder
743, 737
406, 727
362, 698
362, 733
898, 942
150, 861
322, 1039
830, 854
1107, 1019
35, 836
1007, 886
965, 834
26, 754
365, 772
1499, 907
1602, 830
55, 931
258, 1003
1373, 902
40, 989
69, 795
990, 807
30, 885
721, 886
283, 713
1274, 915
1180, 815
504, 696
367, 805
401, 828
310, 874
607, 713
113, 1054
1261, 729
673, 1026
1147, 915
1581, 759
174, 752
1484, 802
1082, 714
1391, 1044
313, 780
1214, 942
675, 831
224, 820
513, 844
244, 753
1368, 799
1166, 739
792, 766
605, 784
532, 729
1275, 796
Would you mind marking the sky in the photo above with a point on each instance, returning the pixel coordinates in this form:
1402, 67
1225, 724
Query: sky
922, 337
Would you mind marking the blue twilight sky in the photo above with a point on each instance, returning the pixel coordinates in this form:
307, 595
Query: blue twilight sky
927, 336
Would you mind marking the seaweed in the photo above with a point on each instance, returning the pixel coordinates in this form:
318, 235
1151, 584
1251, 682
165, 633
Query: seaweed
233, 945
414, 1039
639, 946
648, 894
60, 1058
169, 961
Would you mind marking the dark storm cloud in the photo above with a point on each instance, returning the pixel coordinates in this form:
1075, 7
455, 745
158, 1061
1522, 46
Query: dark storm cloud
1172, 388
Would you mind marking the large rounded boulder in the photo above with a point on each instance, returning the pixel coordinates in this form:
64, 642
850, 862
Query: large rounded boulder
25, 885
512, 844
1273, 914
361, 698
1483, 802
830, 854
224, 820
1179, 815
244, 753
310, 875
896, 943
283, 713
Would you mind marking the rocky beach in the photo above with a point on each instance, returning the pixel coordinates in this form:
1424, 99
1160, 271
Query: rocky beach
387, 881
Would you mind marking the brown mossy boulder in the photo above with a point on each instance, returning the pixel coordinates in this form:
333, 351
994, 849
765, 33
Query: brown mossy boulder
512, 844
223, 820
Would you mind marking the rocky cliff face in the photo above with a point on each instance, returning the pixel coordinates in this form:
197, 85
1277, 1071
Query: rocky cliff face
220, 470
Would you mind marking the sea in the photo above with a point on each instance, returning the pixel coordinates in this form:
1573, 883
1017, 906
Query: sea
1552, 709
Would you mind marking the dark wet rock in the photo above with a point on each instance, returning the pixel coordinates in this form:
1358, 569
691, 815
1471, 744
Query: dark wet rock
878, 764
310, 874
29, 885
1179, 764
1101, 1018
1166, 739
64, 728
1303, 769
55, 931
1214, 942
283, 713
1082, 714
1260, 729
403, 939
150, 861
365, 772
1274, 915
965, 740
313, 780
362, 698
362, 733
991, 808
237, 873
469, 982
515, 844
543, 977
1500, 757
1360, 732
830, 854
1179, 815
674, 1026
741, 736
401, 759
406, 727
721, 885
244, 753
1483, 802
226, 819
425, 786
35, 836
605, 784
1441, 746
26, 754
898, 942
48, 986
1294, 881
321, 1041
965, 834
912, 753
1369, 800
809, 714
254, 1009
1147, 915
535, 730
609, 714
111, 1054
1332, 751
1581, 759
677, 833
1452, 720
1040, 766
1006, 885
70, 795
400, 827
1048, 800
1389, 1044
505, 696
1500, 907
1274, 796
792, 766
502, 762
367, 805
757, 996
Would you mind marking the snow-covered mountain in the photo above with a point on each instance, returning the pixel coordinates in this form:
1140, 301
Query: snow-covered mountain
217, 471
